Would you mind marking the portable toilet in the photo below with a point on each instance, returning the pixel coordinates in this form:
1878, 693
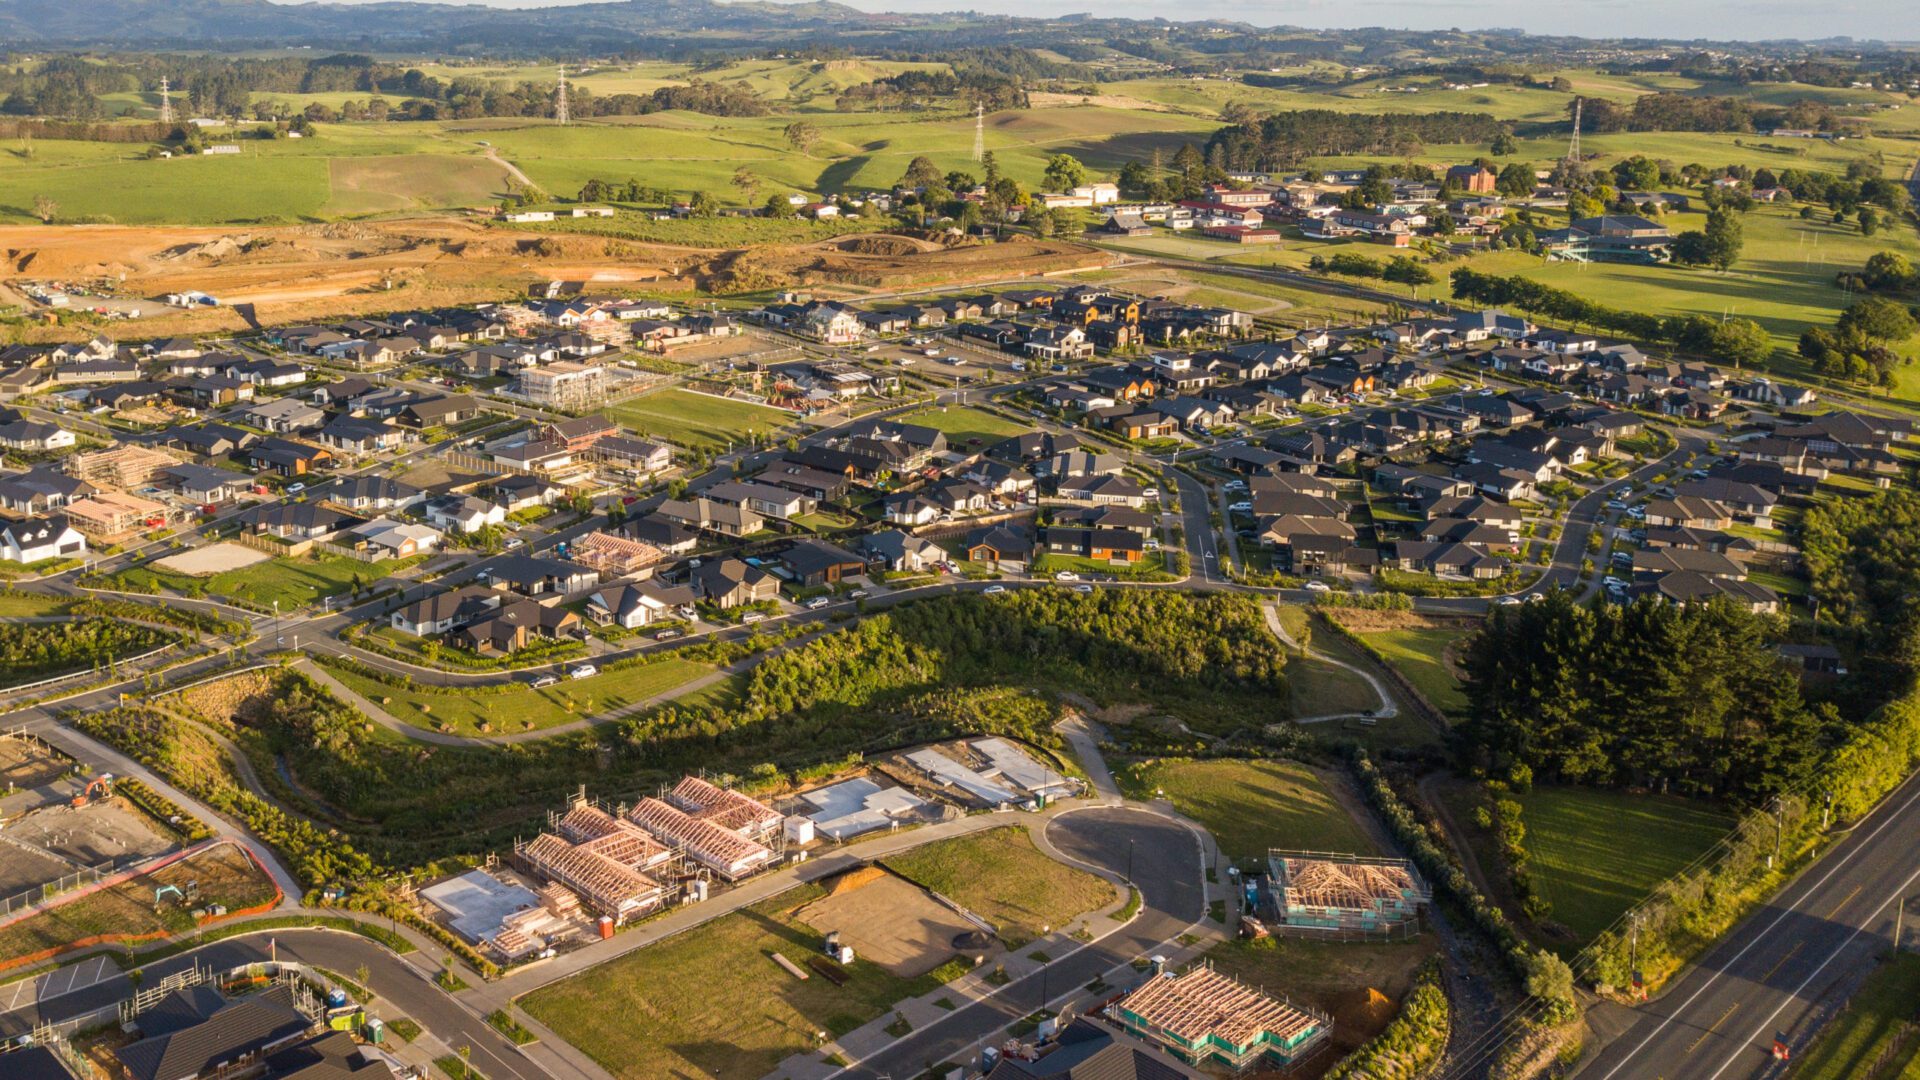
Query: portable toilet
606, 927
799, 830
375, 1031
336, 998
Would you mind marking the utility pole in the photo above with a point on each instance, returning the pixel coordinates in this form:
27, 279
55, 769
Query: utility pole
1778, 826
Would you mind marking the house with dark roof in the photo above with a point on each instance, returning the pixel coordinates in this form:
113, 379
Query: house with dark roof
731, 583
232, 1035
1000, 544
816, 562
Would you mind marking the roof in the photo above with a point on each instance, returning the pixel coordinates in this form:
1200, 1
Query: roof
1203, 1002
238, 1028
1087, 1050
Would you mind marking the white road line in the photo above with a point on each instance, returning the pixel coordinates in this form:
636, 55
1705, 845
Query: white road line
1761, 1033
17, 989
1762, 936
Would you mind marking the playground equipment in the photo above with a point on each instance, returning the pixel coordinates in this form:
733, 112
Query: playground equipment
98, 789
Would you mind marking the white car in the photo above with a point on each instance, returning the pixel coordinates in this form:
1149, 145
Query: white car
817, 603
545, 680
993, 590
584, 671
1508, 601
754, 616
1083, 588
514, 543
1318, 586
1066, 575
295, 489
1242, 507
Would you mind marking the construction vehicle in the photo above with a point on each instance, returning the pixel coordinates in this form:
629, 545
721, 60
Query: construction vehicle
98, 789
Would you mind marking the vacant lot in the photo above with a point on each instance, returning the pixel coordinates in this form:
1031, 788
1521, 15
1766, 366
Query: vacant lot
1000, 876
224, 876
1872, 1024
1597, 853
964, 423
888, 921
293, 583
212, 559
698, 421
524, 708
1251, 806
711, 1002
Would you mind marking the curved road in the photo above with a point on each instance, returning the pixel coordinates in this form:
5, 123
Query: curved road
1166, 863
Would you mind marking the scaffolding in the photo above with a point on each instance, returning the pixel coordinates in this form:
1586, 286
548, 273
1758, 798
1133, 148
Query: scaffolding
1204, 1016
1319, 890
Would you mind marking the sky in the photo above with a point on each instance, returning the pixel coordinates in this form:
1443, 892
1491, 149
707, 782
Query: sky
1722, 20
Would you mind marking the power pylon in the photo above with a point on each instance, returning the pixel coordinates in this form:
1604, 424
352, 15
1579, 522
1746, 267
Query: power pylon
979, 132
166, 102
560, 97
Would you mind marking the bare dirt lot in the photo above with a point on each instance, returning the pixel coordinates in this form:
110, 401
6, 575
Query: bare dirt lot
212, 559
25, 764
888, 921
89, 835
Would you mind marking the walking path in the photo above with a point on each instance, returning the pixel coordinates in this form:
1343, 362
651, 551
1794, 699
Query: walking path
1387, 707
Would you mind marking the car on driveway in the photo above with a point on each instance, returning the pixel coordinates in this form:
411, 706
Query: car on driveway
1243, 507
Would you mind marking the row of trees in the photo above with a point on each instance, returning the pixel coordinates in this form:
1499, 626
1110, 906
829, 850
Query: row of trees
1861, 345
1689, 698
1284, 140
32, 650
1736, 341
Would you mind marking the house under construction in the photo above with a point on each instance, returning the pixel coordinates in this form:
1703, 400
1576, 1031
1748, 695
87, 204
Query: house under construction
614, 867
724, 807
1317, 891
715, 848
1208, 1019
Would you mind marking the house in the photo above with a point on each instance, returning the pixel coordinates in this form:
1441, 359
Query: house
703, 513
38, 539
1688, 512
731, 583
637, 604
766, 500
443, 611
443, 411
1000, 544
1478, 326
816, 562
462, 513
1683, 587
643, 456
359, 435
900, 552
1104, 490
197, 1032
35, 436
531, 575
1120, 547
284, 457
513, 626
284, 415
1203, 1017
1089, 1050
41, 489
200, 484
394, 539
368, 492
1471, 179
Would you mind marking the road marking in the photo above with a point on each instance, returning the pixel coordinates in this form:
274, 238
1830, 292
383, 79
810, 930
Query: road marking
1797, 946
1844, 900
1708, 1034
1761, 1033
1865, 843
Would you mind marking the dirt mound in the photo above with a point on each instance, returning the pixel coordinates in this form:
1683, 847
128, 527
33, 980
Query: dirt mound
854, 879
226, 247
895, 246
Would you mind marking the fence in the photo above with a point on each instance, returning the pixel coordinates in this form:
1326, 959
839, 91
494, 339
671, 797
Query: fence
86, 672
91, 879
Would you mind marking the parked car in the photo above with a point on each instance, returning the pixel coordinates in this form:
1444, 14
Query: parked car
993, 590
817, 603
1318, 586
857, 594
545, 680
295, 489
1083, 588
513, 543
666, 635
1242, 507
1066, 575
754, 616
583, 671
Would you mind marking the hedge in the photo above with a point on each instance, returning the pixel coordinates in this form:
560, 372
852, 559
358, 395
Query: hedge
1410, 1045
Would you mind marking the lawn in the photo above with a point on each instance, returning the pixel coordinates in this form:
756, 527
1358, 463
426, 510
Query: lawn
1252, 806
524, 708
14, 605
962, 423
711, 1002
1000, 876
1322, 689
292, 582
698, 420
1850, 1046
1416, 654
1583, 867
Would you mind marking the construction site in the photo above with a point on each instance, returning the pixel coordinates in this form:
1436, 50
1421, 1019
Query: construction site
1316, 893
595, 868
61, 826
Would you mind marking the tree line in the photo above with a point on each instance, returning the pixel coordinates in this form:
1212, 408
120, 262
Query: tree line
1692, 699
1737, 341
1285, 139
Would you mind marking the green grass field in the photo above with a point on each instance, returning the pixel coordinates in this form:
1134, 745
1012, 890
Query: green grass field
1579, 862
698, 421
1850, 1047
1003, 878
1251, 806
711, 1002
1416, 654
961, 423
524, 708
293, 583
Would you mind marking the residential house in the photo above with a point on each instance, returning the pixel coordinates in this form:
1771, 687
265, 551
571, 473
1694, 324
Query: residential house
462, 513
731, 583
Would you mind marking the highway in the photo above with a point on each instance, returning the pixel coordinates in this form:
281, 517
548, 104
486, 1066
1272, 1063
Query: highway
1782, 970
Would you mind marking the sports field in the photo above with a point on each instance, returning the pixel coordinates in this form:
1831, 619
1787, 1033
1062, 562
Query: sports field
1251, 806
1597, 853
698, 421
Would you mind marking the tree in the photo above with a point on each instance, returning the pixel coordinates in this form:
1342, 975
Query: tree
1064, 173
1723, 238
45, 208
1690, 248
1041, 220
1741, 341
703, 205
1405, 271
1869, 221
1879, 319
990, 168
747, 182
1888, 270
801, 135
777, 207
1504, 145
921, 173
1515, 179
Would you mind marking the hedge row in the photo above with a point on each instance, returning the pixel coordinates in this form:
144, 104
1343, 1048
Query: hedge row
1412, 1043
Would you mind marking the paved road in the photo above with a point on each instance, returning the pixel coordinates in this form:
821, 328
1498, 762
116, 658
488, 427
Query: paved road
1784, 968
1166, 863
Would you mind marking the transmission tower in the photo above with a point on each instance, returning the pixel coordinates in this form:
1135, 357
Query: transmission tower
560, 97
166, 102
1573, 145
979, 132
